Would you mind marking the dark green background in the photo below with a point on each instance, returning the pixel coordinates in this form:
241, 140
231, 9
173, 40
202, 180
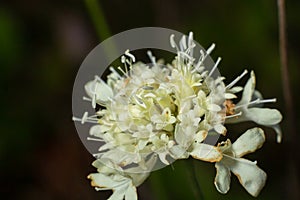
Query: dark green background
42, 44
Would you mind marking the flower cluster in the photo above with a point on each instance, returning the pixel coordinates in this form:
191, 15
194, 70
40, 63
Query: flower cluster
153, 114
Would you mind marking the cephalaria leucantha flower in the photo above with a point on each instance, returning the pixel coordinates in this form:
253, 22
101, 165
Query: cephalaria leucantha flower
153, 114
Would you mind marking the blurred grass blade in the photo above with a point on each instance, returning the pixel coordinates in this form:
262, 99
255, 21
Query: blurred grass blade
96, 13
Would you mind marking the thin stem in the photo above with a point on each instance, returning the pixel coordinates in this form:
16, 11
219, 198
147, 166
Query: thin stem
96, 13
291, 120
284, 69
97, 16
194, 181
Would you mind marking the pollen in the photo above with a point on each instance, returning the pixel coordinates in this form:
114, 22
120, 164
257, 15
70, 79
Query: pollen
229, 107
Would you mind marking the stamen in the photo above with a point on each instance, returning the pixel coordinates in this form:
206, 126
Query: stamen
97, 78
86, 99
182, 43
210, 49
85, 118
215, 67
119, 68
235, 115
94, 95
204, 74
204, 56
257, 101
173, 43
94, 101
268, 100
114, 71
152, 58
191, 44
184, 54
130, 55
126, 67
97, 155
236, 80
95, 139
123, 59
190, 48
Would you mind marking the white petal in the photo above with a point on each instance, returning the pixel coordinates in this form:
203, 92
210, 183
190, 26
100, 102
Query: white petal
230, 96
213, 107
220, 129
264, 116
98, 130
142, 143
236, 89
184, 137
162, 157
177, 152
222, 180
249, 174
107, 182
120, 157
131, 193
102, 91
106, 166
200, 136
248, 90
257, 95
138, 174
106, 146
251, 140
118, 193
206, 152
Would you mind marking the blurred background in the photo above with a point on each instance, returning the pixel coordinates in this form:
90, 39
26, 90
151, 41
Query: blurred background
42, 45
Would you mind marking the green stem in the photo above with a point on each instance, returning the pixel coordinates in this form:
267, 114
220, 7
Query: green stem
157, 185
103, 32
193, 179
97, 16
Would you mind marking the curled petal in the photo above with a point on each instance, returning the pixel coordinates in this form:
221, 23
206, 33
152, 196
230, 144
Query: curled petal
264, 116
251, 177
250, 141
121, 186
222, 180
206, 152
105, 182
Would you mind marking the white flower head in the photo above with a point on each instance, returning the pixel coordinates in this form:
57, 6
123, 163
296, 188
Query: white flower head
156, 109
153, 114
